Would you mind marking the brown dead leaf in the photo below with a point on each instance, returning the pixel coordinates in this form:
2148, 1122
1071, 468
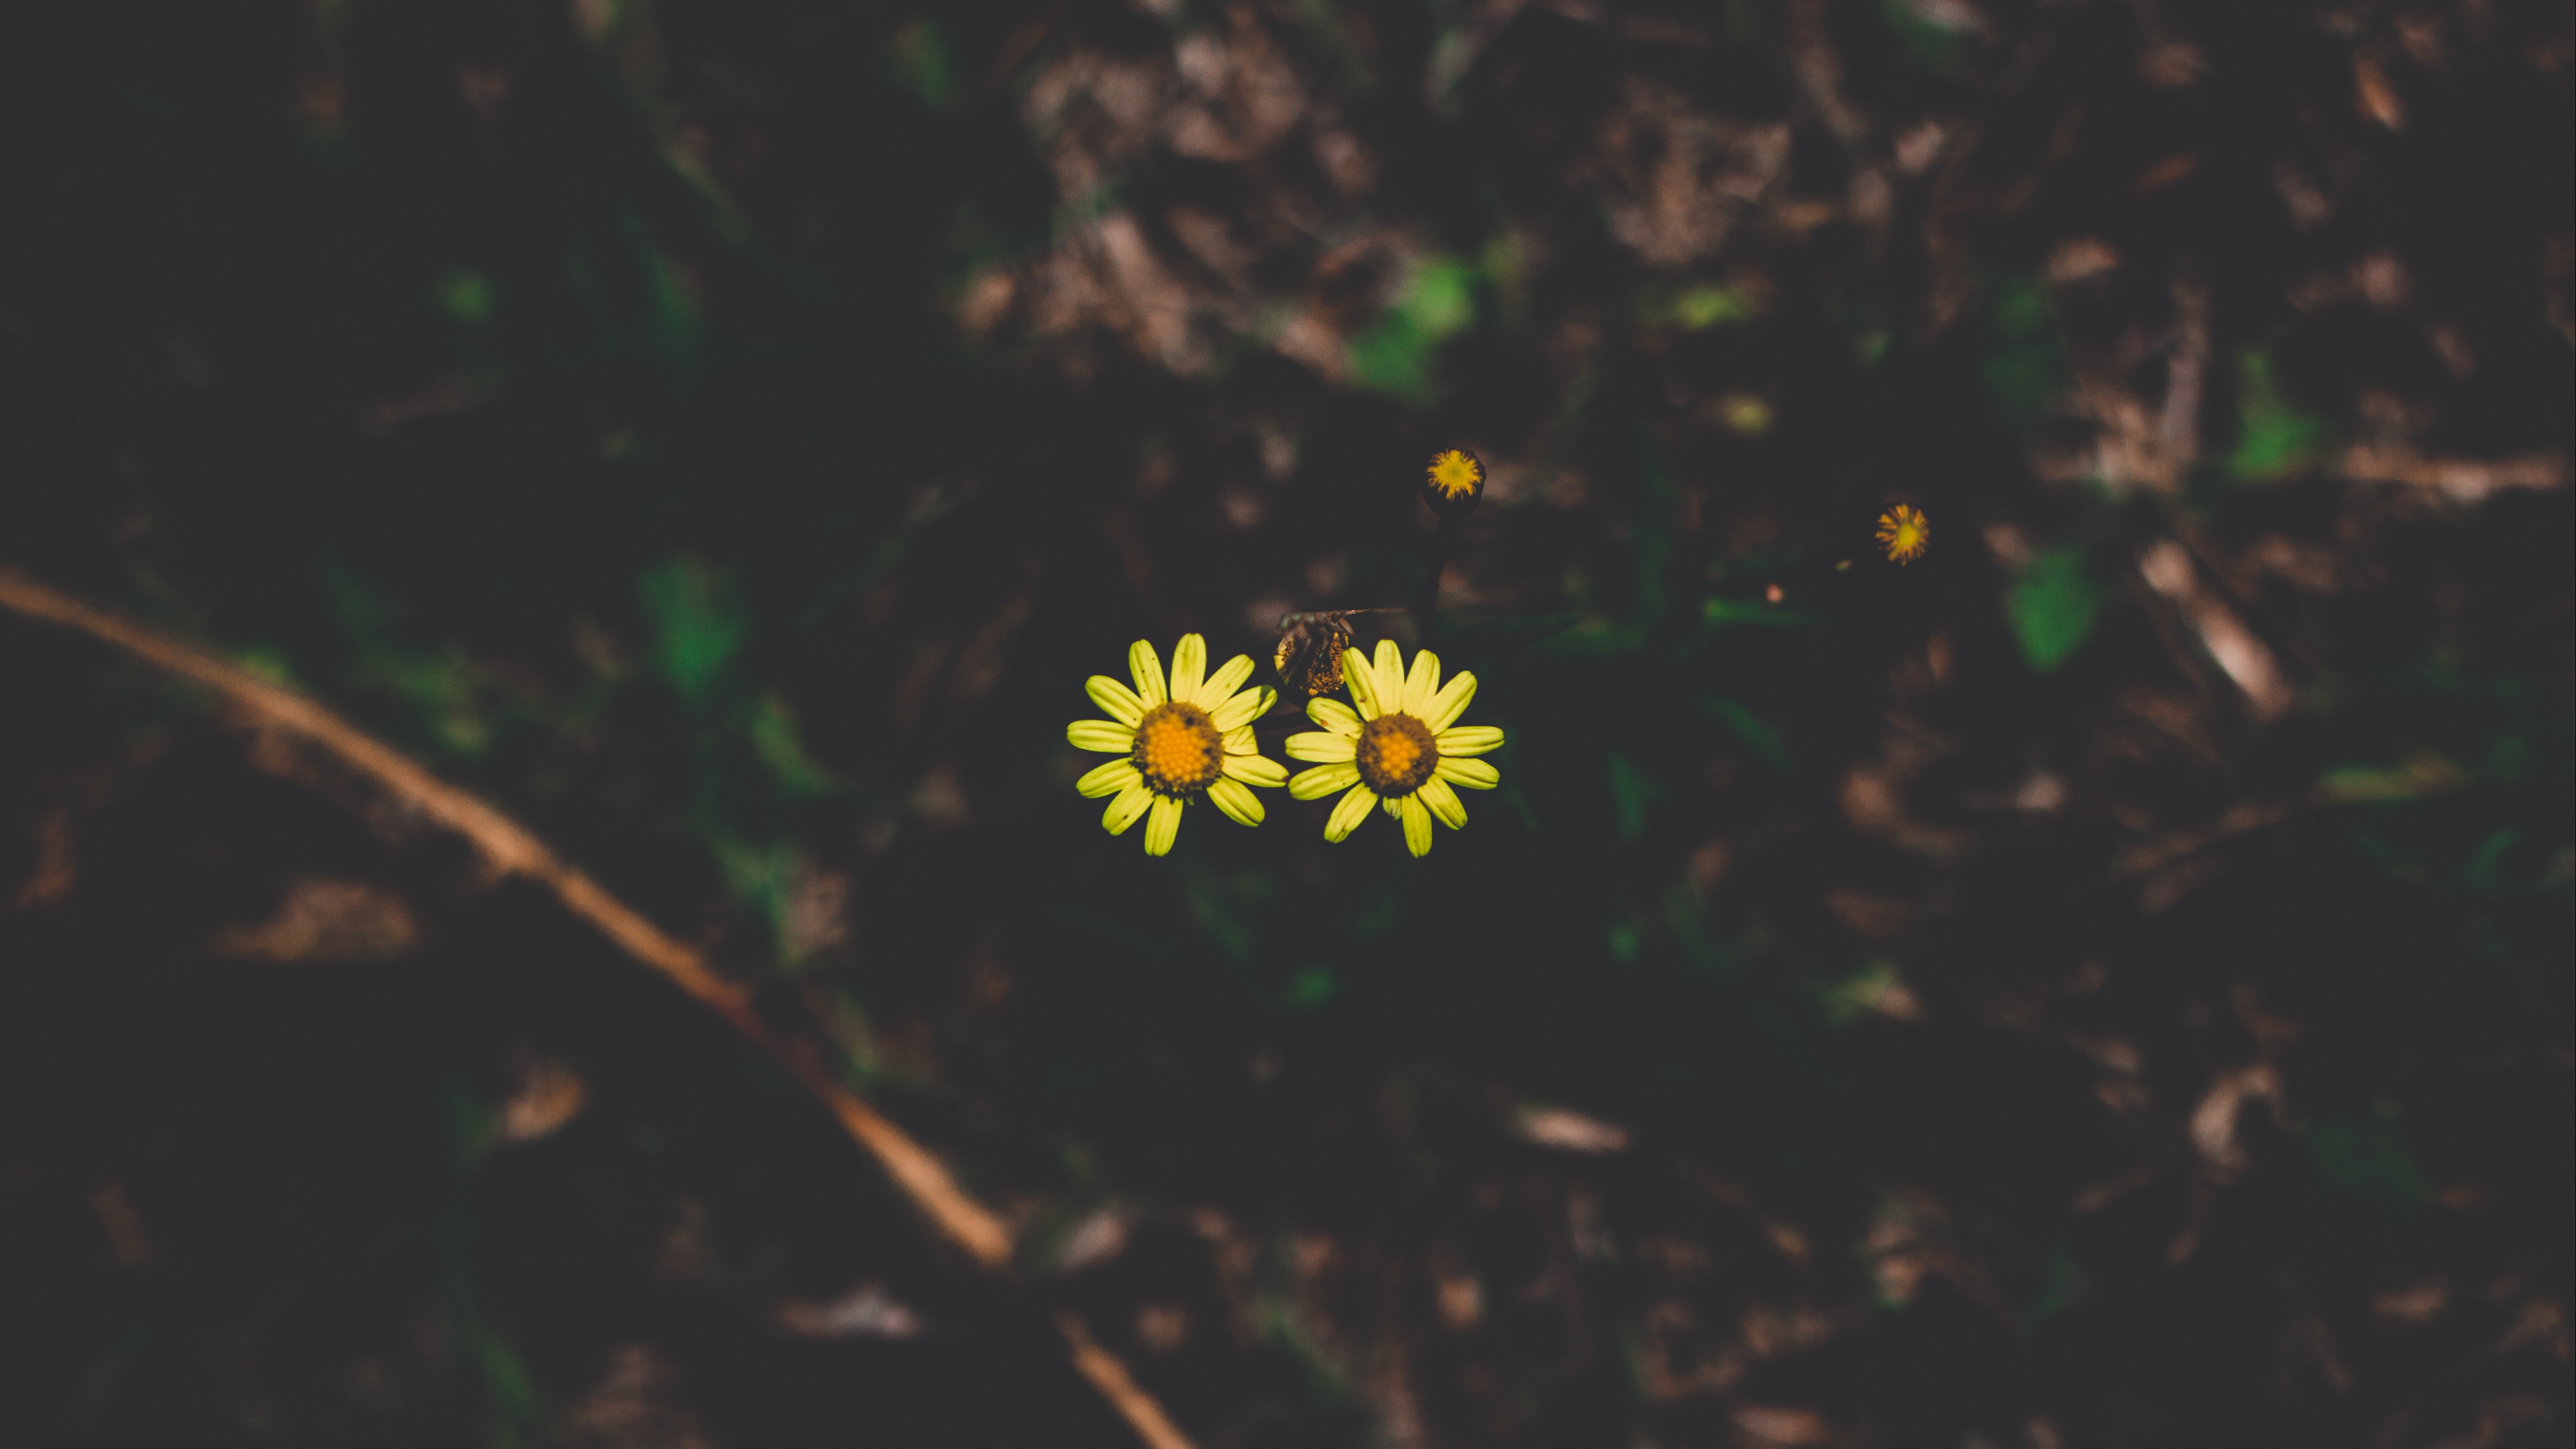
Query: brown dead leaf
326, 920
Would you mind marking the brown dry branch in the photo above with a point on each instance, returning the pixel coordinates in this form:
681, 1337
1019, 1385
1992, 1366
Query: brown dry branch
509, 849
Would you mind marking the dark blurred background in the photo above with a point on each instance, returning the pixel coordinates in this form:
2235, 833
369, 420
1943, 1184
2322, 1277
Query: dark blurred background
2105, 983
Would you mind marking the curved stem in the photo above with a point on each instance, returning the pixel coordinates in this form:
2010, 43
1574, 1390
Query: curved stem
511, 849
1426, 604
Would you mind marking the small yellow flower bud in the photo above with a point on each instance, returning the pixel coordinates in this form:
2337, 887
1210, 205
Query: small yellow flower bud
1453, 483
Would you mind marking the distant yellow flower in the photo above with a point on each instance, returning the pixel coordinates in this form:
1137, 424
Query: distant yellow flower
1190, 739
1903, 532
1453, 482
1401, 748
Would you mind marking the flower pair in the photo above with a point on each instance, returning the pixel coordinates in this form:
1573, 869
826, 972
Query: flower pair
1397, 745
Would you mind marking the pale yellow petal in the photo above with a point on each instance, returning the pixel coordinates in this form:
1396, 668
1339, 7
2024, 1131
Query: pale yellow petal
1163, 826
1417, 826
1361, 681
1443, 709
1393, 806
1223, 683
1115, 700
1101, 735
1460, 740
1189, 668
1443, 802
1422, 682
1474, 774
1333, 715
1146, 668
1254, 770
1347, 815
1320, 747
1109, 779
1244, 708
1127, 809
1387, 682
1239, 804
1240, 741
1323, 780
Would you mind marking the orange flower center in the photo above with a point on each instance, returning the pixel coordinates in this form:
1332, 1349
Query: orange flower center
1395, 755
1178, 749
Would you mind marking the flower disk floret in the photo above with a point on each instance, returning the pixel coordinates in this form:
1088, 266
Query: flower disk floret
1185, 737
1397, 746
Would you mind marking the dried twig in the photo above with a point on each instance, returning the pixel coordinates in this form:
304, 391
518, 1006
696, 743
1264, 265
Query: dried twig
510, 849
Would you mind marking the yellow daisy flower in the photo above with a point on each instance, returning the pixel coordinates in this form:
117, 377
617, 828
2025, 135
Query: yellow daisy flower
1183, 741
1401, 748
1904, 532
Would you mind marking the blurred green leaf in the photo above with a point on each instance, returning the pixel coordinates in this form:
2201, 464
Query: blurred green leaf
781, 747
918, 55
1377, 915
268, 661
1655, 529
1225, 907
771, 882
2424, 774
473, 1122
1630, 792
2508, 757
1598, 640
1391, 357
2368, 1159
441, 688
2277, 439
698, 631
1441, 300
1395, 356
94, 1392
1697, 307
2484, 870
2027, 367
506, 1379
1723, 612
1710, 953
2061, 1288
1931, 37
754, 873
1310, 988
466, 295
671, 304
2052, 607
1749, 728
